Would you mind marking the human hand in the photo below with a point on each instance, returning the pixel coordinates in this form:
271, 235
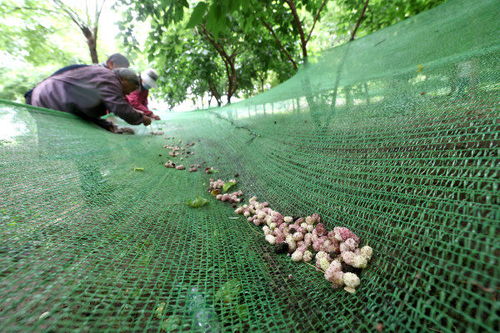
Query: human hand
155, 117
146, 121
124, 130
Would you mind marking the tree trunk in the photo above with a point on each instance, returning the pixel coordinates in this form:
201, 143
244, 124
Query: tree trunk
233, 84
214, 93
93, 50
229, 63
358, 23
92, 44
90, 35
367, 93
348, 96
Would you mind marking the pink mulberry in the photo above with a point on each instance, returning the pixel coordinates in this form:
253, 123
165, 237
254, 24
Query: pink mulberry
342, 234
321, 230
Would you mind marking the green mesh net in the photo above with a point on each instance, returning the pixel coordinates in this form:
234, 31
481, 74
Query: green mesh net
394, 136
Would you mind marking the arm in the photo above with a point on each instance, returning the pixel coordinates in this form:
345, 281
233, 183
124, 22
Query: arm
112, 96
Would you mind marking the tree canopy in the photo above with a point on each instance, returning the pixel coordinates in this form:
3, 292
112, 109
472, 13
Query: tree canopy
39, 37
209, 50
229, 48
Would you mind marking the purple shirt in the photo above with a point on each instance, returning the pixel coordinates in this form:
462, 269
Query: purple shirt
88, 92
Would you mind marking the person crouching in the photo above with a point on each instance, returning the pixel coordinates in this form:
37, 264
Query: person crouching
89, 91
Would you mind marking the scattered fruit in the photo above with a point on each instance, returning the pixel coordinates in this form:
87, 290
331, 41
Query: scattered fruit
336, 252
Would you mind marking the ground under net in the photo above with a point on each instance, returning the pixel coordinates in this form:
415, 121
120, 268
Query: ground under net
394, 136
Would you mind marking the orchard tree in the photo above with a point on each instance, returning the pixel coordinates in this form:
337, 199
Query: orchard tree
88, 23
190, 66
288, 22
256, 41
246, 53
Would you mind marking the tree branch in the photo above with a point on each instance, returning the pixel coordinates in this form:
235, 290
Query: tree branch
280, 45
298, 23
358, 23
72, 15
228, 62
98, 12
95, 31
214, 43
316, 17
87, 15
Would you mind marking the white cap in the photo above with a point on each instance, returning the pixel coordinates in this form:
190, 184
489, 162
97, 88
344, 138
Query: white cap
149, 77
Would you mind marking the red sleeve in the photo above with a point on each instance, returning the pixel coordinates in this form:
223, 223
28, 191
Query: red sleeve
145, 94
139, 101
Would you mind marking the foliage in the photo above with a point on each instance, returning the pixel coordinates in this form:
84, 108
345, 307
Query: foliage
38, 37
237, 57
25, 31
28, 49
188, 65
197, 62
214, 49
379, 13
14, 85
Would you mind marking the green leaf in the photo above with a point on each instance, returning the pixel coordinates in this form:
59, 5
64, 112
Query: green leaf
227, 186
214, 19
242, 311
159, 310
233, 5
172, 323
229, 291
197, 16
197, 203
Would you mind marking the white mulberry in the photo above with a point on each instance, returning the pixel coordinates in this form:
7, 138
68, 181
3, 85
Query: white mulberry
359, 261
266, 229
348, 257
307, 256
321, 254
297, 255
367, 252
351, 281
270, 239
324, 263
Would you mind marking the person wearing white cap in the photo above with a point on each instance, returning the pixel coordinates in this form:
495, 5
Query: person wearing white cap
139, 98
